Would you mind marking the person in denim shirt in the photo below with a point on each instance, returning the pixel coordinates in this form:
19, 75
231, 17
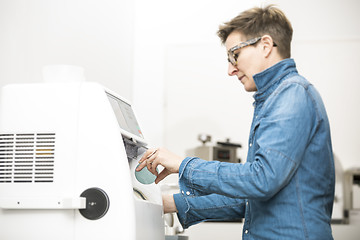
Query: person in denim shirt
285, 189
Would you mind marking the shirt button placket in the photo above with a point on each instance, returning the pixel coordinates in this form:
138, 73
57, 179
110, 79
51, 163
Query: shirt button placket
246, 223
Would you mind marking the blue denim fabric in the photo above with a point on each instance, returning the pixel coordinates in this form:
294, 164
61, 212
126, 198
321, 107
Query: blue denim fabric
285, 190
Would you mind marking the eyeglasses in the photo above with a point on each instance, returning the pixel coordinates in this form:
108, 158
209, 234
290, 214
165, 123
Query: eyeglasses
232, 56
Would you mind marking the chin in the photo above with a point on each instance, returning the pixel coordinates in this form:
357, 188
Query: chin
249, 85
249, 89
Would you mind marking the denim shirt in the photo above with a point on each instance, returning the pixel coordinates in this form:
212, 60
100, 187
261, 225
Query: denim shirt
285, 189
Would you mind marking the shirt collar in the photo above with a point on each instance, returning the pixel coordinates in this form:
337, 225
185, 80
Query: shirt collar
269, 77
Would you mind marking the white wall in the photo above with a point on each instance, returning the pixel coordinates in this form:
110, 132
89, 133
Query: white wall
94, 34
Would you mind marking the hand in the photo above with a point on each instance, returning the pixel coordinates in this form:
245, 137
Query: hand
154, 157
169, 204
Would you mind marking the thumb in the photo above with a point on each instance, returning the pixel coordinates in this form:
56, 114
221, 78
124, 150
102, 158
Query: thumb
163, 174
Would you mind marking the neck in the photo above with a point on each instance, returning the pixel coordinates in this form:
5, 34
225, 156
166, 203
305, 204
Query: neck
272, 59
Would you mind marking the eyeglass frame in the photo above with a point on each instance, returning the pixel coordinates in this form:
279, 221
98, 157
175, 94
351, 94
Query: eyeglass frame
232, 56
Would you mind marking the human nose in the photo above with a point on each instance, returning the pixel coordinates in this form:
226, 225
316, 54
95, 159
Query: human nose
232, 70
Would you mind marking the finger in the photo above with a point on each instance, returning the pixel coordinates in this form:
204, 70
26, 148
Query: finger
153, 167
152, 163
164, 173
146, 160
142, 161
146, 155
149, 165
141, 166
153, 153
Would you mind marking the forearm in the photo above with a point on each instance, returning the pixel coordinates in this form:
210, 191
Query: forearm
169, 204
259, 179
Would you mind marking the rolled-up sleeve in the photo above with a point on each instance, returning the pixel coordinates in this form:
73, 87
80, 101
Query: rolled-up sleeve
213, 207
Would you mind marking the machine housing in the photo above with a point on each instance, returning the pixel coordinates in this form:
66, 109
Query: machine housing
58, 140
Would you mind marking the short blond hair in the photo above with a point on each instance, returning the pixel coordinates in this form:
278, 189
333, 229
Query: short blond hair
257, 22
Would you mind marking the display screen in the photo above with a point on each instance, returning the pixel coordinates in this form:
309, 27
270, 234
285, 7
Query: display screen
125, 115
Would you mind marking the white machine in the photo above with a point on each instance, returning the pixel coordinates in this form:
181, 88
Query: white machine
352, 195
68, 153
222, 151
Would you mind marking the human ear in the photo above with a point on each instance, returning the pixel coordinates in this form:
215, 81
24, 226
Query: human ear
267, 45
